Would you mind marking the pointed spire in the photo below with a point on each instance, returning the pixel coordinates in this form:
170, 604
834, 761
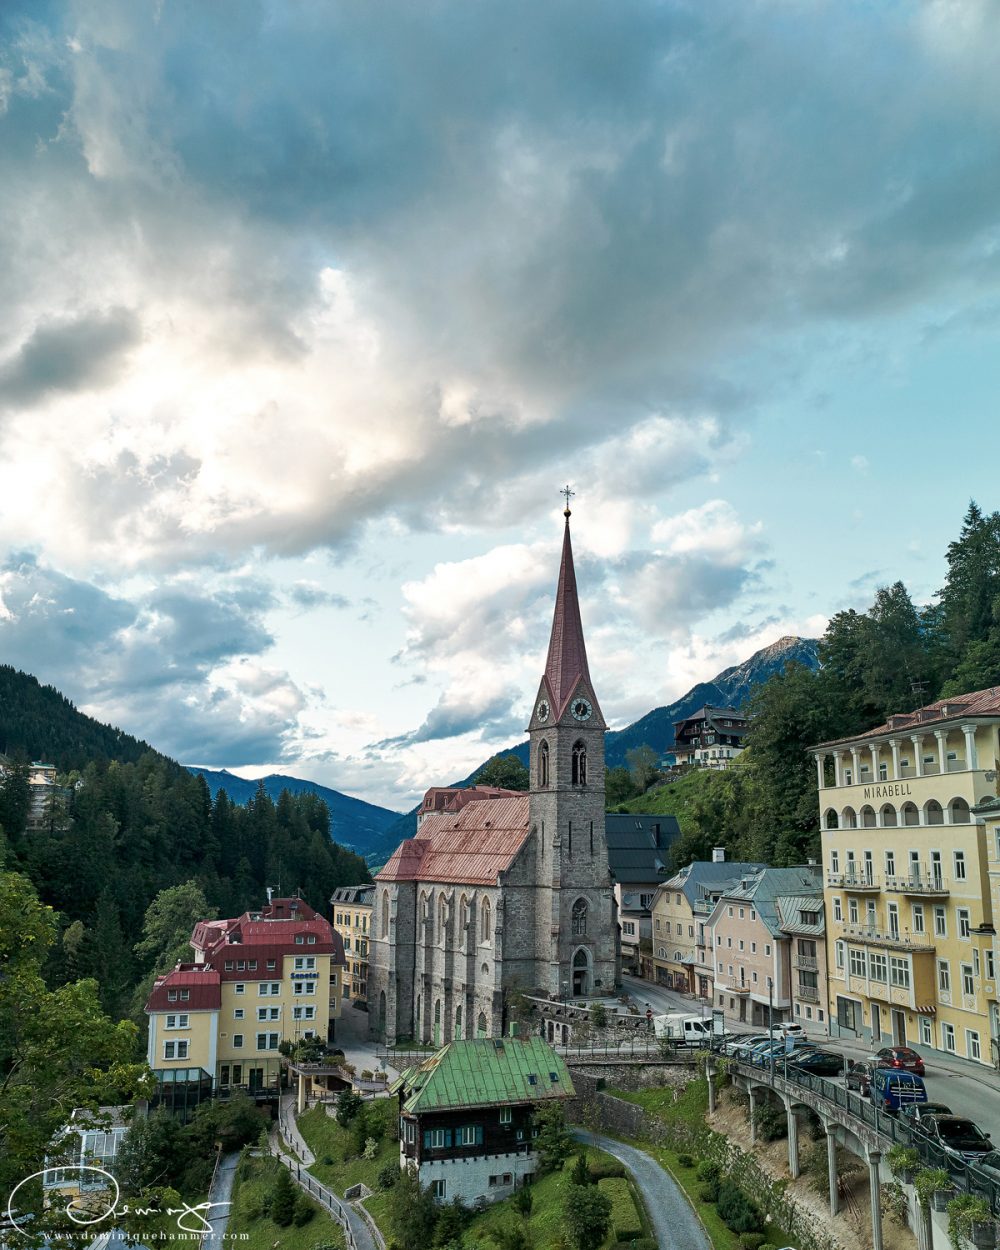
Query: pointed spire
567, 658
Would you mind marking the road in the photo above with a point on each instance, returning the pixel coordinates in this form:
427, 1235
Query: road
673, 1219
969, 1089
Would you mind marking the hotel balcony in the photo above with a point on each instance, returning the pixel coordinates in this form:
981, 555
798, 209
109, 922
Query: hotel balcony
809, 963
730, 986
857, 883
808, 993
919, 884
869, 935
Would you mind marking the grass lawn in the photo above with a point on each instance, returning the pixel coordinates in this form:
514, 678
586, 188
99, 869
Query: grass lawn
689, 1108
246, 1217
329, 1143
545, 1224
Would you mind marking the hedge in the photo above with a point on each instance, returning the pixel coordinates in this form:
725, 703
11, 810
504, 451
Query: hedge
625, 1221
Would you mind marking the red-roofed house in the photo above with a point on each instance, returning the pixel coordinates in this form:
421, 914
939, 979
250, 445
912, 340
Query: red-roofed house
500, 889
257, 980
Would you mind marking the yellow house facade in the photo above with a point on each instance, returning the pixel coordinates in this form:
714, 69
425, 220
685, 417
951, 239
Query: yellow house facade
907, 884
265, 978
351, 907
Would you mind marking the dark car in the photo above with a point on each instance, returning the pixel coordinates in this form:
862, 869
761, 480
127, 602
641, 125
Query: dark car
961, 1138
859, 1072
915, 1113
902, 1057
990, 1165
820, 1063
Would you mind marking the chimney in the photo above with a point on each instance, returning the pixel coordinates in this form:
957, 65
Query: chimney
718, 854
270, 891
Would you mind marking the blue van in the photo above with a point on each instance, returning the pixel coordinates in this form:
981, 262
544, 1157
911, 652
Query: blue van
892, 1088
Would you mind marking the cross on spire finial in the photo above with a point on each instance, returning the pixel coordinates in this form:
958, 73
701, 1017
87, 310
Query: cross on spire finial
569, 495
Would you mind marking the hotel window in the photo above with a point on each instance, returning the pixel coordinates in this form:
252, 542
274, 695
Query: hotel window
858, 962
175, 1050
890, 863
968, 982
838, 911
944, 976
238, 1013
252, 965
918, 918
742, 914
899, 972
303, 987
272, 965
877, 967
438, 1188
311, 939
926, 1038
241, 965
467, 1134
185, 995
990, 973
852, 910
883, 772
848, 777
300, 939
177, 1022
505, 1116
767, 949
268, 1041
237, 1041
959, 865
268, 987
948, 1037
964, 924
229, 965
940, 922
972, 1048
171, 996
307, 962
239, 987
835, 861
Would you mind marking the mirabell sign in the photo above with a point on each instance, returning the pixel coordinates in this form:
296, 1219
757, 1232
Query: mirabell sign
893, 790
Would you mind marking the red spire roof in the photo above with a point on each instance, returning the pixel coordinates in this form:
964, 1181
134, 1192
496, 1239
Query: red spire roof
567, 658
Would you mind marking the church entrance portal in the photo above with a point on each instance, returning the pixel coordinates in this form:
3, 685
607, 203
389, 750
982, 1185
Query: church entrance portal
581, 973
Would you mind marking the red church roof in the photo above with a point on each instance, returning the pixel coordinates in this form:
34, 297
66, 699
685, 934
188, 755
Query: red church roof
472, 846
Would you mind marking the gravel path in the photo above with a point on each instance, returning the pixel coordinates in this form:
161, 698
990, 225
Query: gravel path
673, 1220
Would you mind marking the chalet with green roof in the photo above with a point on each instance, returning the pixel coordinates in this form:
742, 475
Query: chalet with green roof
467, 1112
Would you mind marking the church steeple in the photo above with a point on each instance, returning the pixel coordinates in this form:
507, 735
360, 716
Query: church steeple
566, 663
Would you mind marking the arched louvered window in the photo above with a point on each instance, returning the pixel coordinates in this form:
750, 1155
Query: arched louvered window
485, 921
579, 764
385, 913
543, 764
580, 918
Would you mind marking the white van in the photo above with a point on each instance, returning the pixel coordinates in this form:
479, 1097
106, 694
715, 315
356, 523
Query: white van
684, 1030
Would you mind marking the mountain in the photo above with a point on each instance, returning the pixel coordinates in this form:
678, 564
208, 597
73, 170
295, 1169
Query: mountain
733, 686
353, 823
41, 723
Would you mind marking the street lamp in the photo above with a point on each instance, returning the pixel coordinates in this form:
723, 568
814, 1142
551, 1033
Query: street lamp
770, 1022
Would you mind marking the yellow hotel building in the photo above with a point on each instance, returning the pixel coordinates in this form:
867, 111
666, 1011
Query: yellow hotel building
907, 860
266, 977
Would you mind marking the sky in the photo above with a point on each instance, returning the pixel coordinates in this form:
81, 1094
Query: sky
308, 310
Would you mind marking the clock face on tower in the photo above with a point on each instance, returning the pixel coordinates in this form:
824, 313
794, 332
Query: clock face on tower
581, 709
542, 711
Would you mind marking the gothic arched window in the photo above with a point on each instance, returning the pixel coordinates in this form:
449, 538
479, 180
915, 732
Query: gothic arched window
442, 917
385, 913
580, 918
485, 921
579, 764
543, 764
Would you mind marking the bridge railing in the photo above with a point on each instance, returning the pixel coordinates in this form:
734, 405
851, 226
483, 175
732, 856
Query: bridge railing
965, 1176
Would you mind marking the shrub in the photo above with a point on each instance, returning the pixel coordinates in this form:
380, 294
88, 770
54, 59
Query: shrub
685, 1161
928, 1181
348, 1106
366, 1074
625, 1221
580, 1174
895, 1203
963, 1212
771, 1121
524, 1200
602, 1168
327, 1161
304, 1210
282, 1199
709, 1172
751, 1241
708, 1193
902, 1159
371, 1148
452, 1222
736, 1210
769, 1245
586, 1212
387, 1176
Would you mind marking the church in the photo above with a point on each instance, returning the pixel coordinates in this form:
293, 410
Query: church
501, 891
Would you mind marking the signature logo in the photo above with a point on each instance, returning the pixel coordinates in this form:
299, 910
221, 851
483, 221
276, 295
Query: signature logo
104, 1202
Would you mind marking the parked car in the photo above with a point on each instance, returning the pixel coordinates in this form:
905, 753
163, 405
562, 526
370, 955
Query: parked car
902, 1057
959, 1137
779, 1049
915, 1114
990, 1164
786, 1028
819, 1062
893, 1088
732, 1042
860, 1071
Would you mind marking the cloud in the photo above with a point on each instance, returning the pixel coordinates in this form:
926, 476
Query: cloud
84, 352
307, 595
175, 665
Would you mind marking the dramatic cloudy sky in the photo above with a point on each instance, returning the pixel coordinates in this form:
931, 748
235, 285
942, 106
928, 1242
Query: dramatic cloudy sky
307, 310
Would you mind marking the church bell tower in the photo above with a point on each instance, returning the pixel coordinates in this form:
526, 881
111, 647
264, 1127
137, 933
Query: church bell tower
576, 930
